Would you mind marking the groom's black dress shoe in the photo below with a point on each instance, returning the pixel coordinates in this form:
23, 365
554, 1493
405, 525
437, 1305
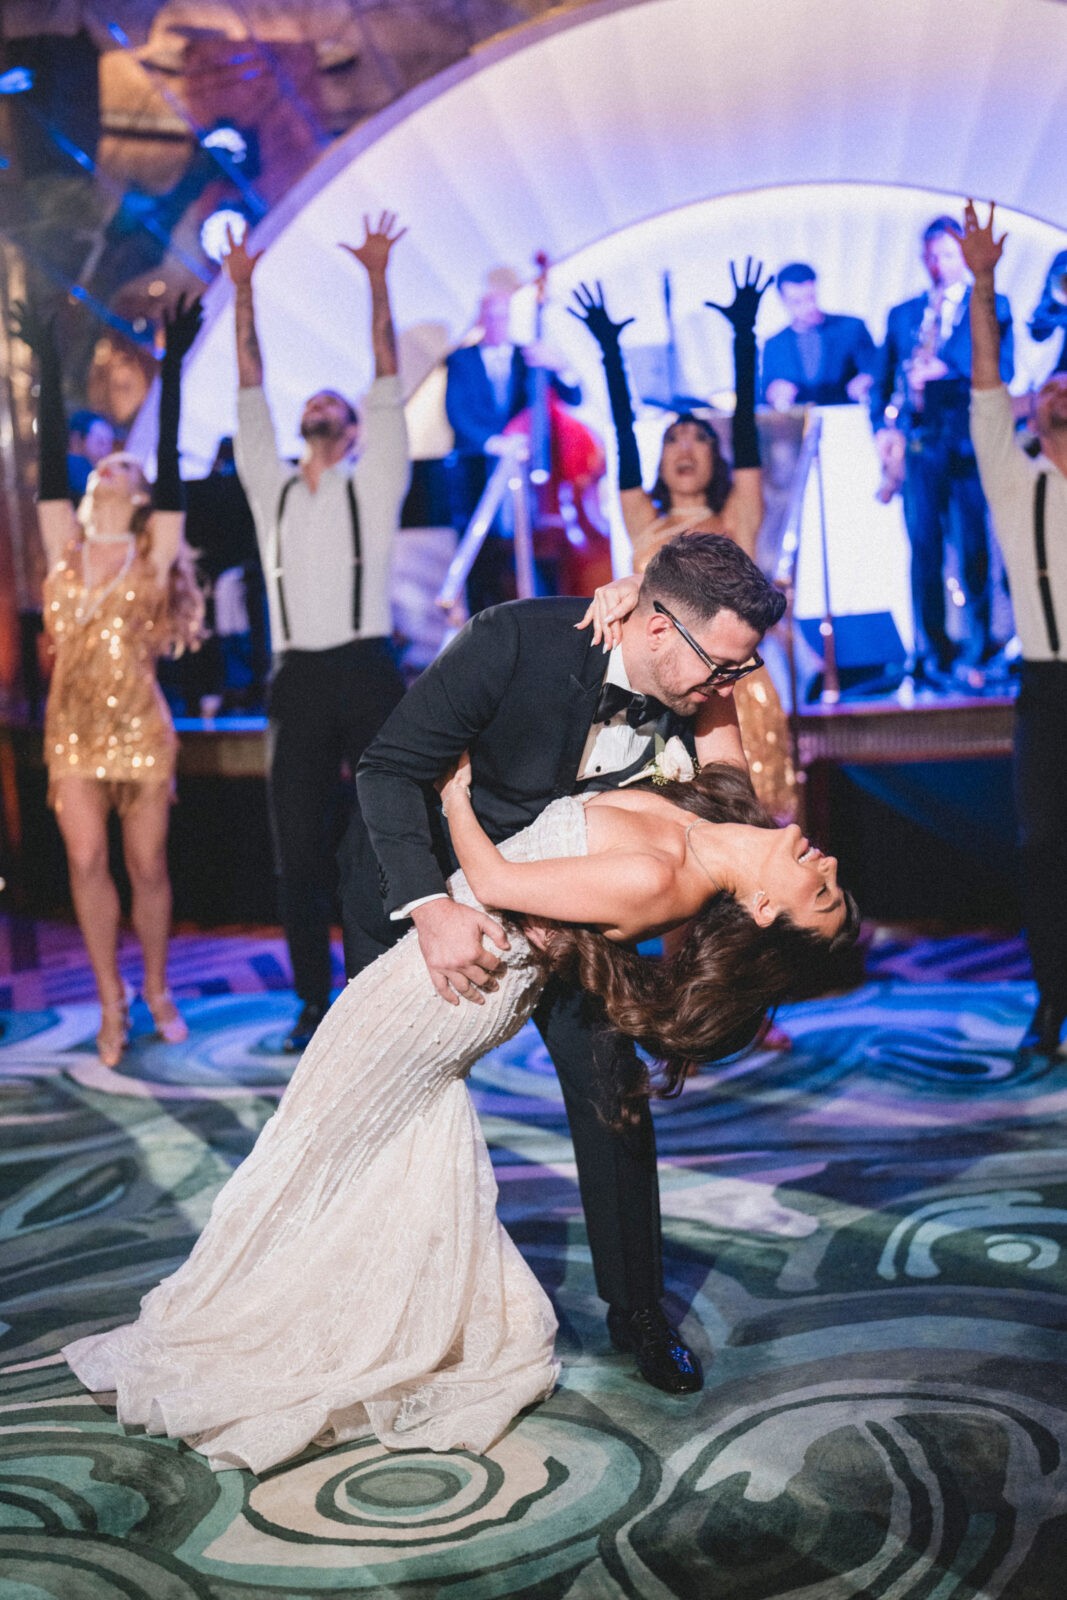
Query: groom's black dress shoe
299, 1036
662, 1359
1042, 1037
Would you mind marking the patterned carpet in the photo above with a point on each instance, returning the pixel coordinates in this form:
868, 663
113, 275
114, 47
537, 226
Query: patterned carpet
865, 1238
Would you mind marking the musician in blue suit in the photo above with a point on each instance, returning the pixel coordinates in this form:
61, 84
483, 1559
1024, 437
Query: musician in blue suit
1050, 313
920, 401
822, 358
486, 385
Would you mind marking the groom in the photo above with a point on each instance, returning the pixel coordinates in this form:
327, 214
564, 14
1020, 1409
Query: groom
545, 713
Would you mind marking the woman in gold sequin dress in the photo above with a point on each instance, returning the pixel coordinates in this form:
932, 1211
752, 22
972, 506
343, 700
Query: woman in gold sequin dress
119, 593
696, 492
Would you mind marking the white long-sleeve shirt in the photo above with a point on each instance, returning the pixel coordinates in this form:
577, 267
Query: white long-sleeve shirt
313, 547
1008, 476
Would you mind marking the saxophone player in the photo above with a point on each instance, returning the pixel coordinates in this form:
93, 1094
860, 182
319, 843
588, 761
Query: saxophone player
1050, 313
919, 410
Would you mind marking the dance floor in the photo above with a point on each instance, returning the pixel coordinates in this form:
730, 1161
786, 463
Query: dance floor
866, 1240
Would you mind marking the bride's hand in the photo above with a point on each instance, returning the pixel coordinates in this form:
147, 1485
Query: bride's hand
455, 784
610, 605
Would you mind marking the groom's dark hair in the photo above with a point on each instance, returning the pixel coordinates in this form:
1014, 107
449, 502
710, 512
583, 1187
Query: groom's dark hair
700, 574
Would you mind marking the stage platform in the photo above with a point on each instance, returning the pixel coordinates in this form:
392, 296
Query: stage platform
921, 726
905, 726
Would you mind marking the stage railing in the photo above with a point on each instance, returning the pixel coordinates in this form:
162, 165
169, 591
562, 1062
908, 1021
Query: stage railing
510, 476
785, 576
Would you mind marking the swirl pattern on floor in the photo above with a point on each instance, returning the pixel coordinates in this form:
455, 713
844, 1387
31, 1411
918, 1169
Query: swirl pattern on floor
866, 1240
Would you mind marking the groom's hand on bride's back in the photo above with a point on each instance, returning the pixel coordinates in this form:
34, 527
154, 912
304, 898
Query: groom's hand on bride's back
450, 938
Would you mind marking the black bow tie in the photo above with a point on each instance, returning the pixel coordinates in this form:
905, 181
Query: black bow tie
639, 708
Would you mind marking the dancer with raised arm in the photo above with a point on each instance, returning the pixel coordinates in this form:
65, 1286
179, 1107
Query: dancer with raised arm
696, 491
120, 592
354, 1276
1028, 501
326, 530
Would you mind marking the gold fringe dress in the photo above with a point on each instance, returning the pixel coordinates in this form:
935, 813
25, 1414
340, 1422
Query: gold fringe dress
764, 729
106, 717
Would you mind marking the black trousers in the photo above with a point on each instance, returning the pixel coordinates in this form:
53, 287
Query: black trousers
617, 1176
325, 708
943, 498
1041, 802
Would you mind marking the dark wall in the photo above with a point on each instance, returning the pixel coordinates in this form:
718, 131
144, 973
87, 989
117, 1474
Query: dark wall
927, 842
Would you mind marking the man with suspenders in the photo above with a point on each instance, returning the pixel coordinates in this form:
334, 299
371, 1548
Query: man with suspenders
1028, 501
325, 530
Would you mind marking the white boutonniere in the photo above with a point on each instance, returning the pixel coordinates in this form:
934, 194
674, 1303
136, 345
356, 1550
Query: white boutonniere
672, 764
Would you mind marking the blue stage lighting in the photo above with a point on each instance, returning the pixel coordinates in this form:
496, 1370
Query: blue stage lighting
18, 80
228, 138
213, 240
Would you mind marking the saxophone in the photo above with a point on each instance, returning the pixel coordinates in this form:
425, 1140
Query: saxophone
926, 346
923, 351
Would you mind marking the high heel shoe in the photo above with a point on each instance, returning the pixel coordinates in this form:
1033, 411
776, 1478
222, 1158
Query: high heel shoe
114, 1034
171, 1026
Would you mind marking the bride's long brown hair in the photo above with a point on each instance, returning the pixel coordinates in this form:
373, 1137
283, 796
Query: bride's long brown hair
709, 999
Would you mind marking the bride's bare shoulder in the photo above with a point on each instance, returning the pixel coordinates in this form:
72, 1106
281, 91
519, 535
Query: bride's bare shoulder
620, 818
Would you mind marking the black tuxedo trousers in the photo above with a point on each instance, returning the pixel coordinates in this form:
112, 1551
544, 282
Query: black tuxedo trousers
518, 688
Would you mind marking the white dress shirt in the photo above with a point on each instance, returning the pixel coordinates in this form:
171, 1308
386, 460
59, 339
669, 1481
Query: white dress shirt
952, 297
1008, 475
497, 361
313, 547
614, 745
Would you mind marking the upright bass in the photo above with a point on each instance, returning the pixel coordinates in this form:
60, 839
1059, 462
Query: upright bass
572, 543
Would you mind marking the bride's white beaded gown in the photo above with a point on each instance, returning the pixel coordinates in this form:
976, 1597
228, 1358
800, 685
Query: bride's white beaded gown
353, 1276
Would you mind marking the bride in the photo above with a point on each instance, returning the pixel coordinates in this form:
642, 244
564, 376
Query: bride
353, 1276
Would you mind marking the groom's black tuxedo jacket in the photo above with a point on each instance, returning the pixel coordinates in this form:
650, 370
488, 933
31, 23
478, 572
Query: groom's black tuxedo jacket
518, 687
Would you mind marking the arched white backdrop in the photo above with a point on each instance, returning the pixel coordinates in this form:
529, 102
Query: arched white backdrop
637, 136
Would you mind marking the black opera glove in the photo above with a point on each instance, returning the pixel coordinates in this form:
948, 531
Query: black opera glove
742, 312
180, 328
39, 332
594, 313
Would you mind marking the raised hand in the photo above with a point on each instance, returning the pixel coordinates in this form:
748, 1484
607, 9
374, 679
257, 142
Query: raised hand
610, 606
32, 328
181, 326
981, 250
741, 313
237, 261
591, 310
373, 253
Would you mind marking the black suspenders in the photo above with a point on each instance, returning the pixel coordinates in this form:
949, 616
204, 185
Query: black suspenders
1040, 491
357, 558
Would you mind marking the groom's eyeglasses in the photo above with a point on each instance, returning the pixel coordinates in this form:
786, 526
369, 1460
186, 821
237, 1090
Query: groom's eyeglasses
717, 674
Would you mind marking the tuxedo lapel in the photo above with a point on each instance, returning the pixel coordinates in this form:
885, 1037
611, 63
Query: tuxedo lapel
584, 691
613, 780
669, 726
672, 726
